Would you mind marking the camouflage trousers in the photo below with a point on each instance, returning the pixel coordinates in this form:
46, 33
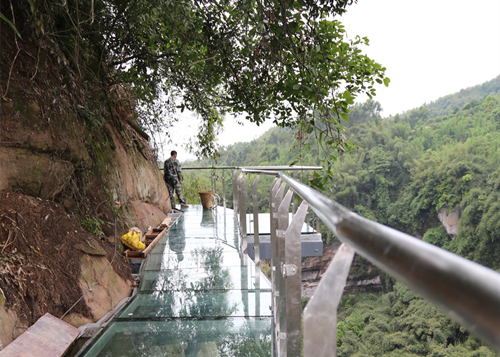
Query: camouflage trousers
177, 188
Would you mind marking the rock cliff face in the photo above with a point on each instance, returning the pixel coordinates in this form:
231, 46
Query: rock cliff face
67, 153
450, 220
363, 276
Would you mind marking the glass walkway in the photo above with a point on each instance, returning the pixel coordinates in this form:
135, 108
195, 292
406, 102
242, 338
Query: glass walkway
199, 296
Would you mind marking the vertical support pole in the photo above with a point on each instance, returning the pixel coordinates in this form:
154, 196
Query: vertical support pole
244, 283
224, 199
224, 189
273, 207
256, 240
283, 217
292, 273
235, 191
243, 244
215, 180
320, 314
243, 212
275, 262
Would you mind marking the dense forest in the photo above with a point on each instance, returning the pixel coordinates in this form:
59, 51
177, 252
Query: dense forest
443, 157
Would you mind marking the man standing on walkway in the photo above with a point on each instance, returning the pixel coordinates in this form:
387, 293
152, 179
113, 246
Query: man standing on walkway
172, 173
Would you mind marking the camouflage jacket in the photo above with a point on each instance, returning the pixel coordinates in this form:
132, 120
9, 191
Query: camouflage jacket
172, 171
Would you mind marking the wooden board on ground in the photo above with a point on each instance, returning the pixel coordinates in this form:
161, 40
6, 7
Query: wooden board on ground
166, 222
133, 254
148, 249
153, 235
145, 235
49, 337
138, 254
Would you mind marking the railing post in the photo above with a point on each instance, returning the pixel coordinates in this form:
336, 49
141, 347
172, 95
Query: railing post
320, 314
256, 240
273, 208
292, 273
278, 198
235, 191
215, 181
283, 217
243, 212
224, 189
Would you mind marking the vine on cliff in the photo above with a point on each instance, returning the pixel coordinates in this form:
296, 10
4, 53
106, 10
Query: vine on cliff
288, 61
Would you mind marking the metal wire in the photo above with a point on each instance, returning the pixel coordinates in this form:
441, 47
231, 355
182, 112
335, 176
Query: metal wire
136, 219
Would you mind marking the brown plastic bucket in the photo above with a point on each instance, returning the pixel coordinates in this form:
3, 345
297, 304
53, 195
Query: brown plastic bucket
207, 198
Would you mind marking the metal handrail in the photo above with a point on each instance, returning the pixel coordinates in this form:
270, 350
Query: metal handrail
264, 170
467, 292
261, 172
261, 169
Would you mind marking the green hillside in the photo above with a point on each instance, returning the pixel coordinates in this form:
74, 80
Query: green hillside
456, 101
444, 156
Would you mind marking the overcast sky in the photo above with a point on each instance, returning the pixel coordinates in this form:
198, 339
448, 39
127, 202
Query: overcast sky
431, 48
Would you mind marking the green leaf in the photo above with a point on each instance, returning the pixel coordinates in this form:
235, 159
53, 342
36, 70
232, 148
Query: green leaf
344, 116
387, 81
10, 24
348, 97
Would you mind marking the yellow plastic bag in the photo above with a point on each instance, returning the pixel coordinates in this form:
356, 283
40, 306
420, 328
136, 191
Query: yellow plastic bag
132, 239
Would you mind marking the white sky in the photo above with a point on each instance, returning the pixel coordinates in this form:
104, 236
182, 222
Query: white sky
431, 48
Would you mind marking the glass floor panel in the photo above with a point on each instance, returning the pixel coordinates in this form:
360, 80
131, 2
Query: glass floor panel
200, 258
190, 243
201, 338
176, 245
199, 297
236, 303
206, 278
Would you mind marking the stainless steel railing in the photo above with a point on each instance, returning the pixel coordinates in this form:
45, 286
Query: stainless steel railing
268, 170
467, 292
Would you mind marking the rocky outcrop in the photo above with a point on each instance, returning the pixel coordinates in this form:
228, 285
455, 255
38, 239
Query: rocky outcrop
450, 219
363, 276
361, 285
39, 155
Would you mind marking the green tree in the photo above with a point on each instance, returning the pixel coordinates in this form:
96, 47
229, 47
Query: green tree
285, 60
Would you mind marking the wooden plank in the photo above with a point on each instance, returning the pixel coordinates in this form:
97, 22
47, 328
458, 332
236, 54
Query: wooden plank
166, 222
133, 254
146, 251
144, 236
48, 337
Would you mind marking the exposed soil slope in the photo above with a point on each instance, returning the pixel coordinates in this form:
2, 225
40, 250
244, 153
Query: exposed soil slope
40, 257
